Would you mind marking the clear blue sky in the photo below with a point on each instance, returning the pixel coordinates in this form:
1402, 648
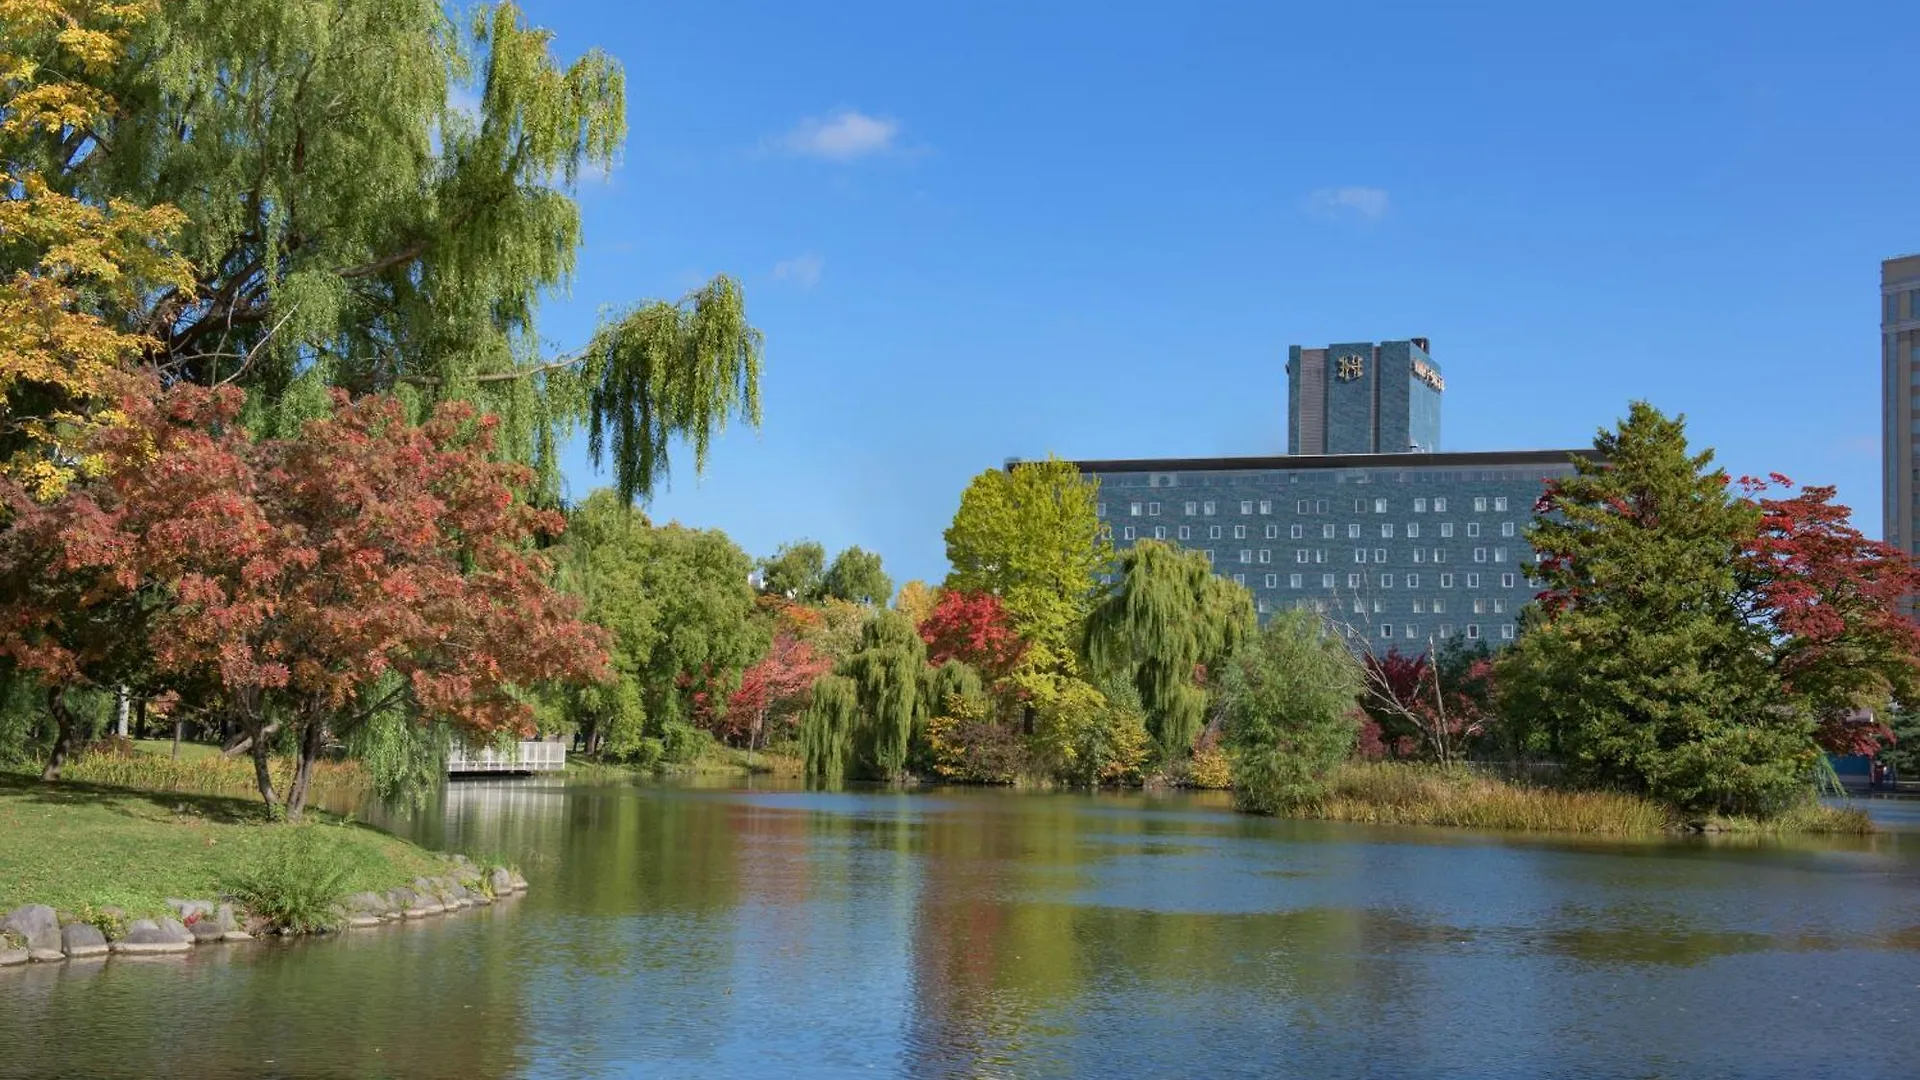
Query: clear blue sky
1094, 229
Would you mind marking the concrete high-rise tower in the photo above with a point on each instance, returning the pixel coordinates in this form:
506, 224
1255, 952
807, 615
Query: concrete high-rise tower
1363, 398
1899, 385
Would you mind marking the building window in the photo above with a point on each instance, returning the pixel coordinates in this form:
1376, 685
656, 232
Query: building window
1386, 532
1266, 506
1299, 555
1100, 509
1239, 579
1192, 508
1412, 631
1246, 555
1419, 554
1294, 581
1479, 606
1506, 581
1264, 607
1506, 528
1208, 552
1126, 533
1473, 631
1446, 529
1413, 529
1473, 528
1379, 506
1159, 532
1359, 554
1419, 506
1359, 606
1186, 532
1439, 605
1134, 509
1380, 555
1319, 506
1506, 632
1239, 532
1326, 532
1353, 581
1359, 506
1320, 555
1353, 532
1439, 554
1326, 581
1273, 532
1379, 607
1297, 531
1213, 532
1246, 507
1153, 509
1499, 554
1439, 506
1473, 581
1479, 504
1206, 508
1413, 581
1419, 607
1266, 554
1446, 629
1386, 581
1446, 581
1500, 503
1272, 580
1300, 507
1386, 630
1479, 554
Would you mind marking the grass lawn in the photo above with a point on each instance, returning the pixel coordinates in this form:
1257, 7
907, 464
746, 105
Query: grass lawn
189, 751
72, 844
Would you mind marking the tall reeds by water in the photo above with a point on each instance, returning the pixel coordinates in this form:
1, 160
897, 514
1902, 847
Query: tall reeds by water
212, 775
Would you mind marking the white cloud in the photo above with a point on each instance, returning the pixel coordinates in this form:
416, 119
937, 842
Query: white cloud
802, 270
1365, 203
841, 136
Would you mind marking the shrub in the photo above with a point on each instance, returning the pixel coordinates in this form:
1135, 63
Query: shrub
1290, 702
296, 883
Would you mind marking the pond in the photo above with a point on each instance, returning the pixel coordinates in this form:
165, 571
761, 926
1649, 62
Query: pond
692, 932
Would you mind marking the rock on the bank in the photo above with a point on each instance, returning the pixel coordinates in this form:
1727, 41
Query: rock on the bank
189, 909
37, 925
500, 881
82, 940
10, 957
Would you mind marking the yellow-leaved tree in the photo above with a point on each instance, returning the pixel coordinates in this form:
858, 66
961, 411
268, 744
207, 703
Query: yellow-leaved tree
72, 270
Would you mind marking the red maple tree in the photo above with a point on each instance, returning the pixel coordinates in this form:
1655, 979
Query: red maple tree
975, 629
773, 690
1832, 600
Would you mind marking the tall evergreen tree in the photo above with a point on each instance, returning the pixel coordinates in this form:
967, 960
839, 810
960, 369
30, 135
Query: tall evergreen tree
1639, 666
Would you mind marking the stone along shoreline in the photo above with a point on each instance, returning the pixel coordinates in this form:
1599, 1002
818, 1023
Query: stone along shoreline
36, 933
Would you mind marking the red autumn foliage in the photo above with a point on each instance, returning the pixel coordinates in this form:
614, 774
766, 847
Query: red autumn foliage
773, 690
1832, 599
369, 563
1417, 708
975, 629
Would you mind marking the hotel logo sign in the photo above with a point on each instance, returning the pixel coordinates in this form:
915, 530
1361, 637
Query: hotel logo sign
1426, 374
1351, 367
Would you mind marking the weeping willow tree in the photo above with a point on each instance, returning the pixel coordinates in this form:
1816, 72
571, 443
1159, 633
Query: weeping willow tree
376, 197
1167, 621
826, 731
866, 720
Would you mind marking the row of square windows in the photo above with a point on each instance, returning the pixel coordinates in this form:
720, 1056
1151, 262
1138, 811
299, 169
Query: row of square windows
1319, 555
1385, 581
1208, 507
1410, 630
1327, 532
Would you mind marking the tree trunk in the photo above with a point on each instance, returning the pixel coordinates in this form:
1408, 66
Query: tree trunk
303, 770
62, 732
246, 740
177, 725
261, 775
140, 718
122, 709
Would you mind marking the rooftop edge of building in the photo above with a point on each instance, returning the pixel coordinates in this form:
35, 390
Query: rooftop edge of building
1434, 460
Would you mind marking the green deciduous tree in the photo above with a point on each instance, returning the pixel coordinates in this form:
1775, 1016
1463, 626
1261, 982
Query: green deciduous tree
856, 576
1638, 666
375, 198
1166, 621
1290, 702
678, 606
795, 571
1032, 536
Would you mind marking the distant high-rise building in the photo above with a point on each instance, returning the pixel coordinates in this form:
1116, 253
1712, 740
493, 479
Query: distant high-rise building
1363, 398
1899, 419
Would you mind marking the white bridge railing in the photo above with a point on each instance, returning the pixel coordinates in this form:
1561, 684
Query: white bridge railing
529, 756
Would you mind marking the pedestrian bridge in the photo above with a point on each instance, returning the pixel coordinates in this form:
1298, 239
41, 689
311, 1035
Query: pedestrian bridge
530, 756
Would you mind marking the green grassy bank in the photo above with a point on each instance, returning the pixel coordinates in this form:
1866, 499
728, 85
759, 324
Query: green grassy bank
79, 846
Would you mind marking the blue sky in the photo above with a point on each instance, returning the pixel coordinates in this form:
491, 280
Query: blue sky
1094, 229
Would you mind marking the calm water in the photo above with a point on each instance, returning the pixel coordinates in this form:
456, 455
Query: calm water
688, 933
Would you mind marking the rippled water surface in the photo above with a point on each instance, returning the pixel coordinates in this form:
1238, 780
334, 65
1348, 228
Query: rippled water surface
686, 932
